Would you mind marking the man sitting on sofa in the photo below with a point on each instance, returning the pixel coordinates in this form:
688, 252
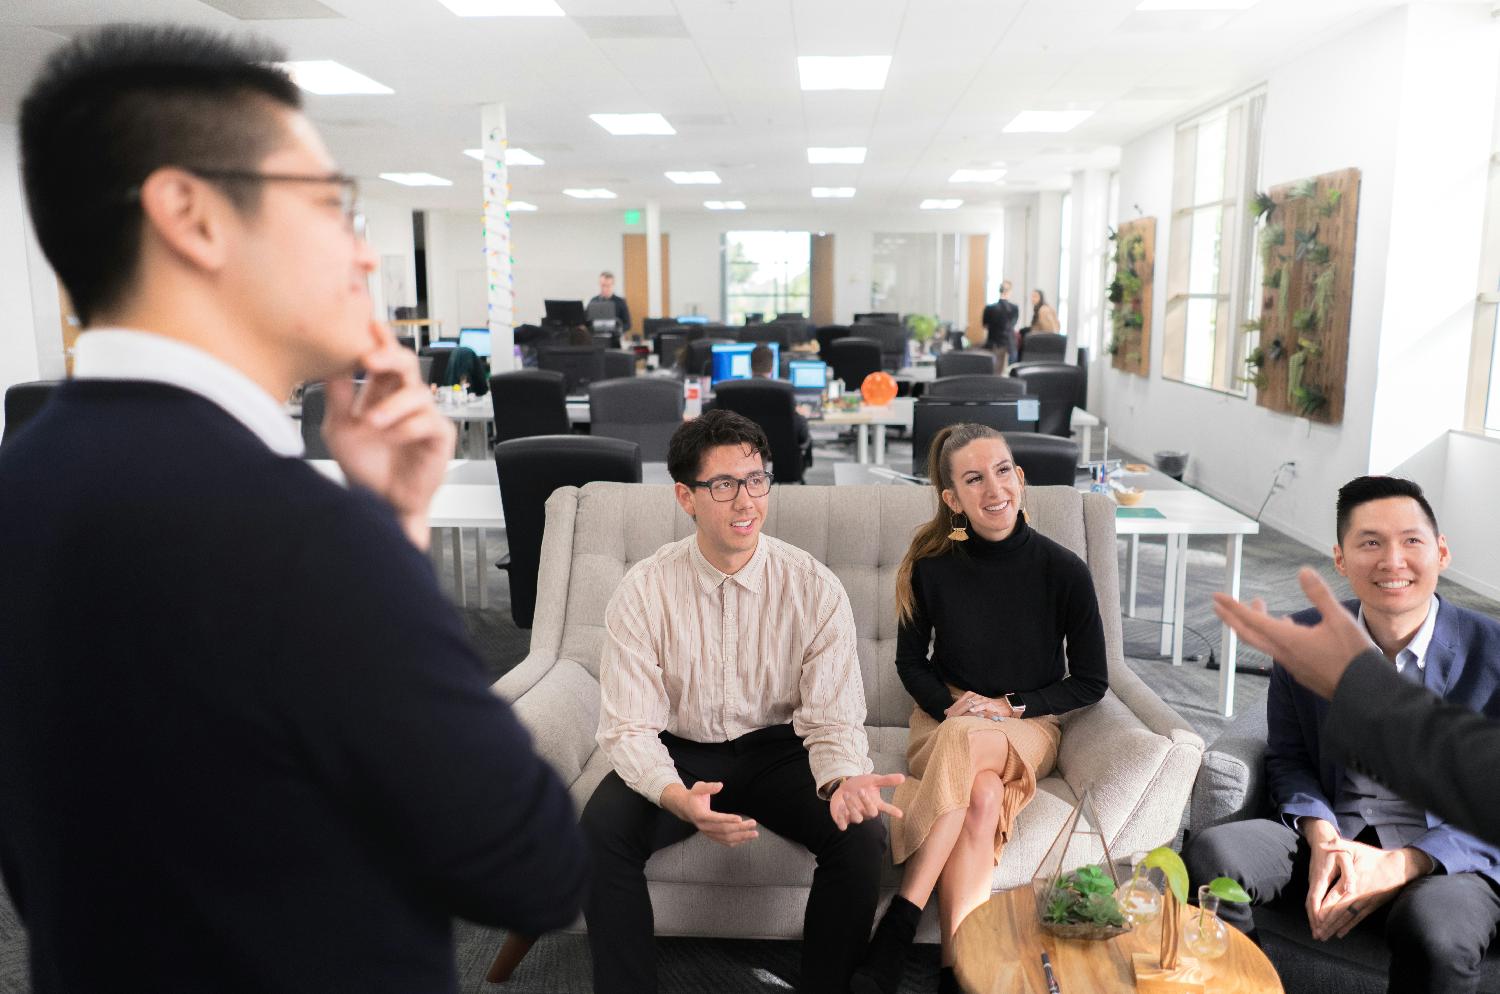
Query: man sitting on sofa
1342, 842
731, 697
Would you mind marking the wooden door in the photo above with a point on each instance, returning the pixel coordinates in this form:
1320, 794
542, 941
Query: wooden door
822, 280
635, 288
979, 255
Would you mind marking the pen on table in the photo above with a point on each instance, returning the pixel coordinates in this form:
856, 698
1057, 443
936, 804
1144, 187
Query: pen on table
1052, 987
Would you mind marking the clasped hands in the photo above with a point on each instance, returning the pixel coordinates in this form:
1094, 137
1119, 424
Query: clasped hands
1347, 880
980, 706
857, 799
388, 436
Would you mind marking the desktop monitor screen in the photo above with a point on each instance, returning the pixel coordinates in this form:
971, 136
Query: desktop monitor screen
477, 339
568, 312
732, 362
808, 374
692, 319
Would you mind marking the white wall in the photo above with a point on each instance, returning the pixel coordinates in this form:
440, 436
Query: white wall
18, 342
390, 234
1328, 109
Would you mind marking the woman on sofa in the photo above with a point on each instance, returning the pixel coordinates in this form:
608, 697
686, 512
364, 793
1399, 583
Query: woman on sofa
999, 635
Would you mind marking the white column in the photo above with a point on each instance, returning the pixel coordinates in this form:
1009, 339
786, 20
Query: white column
653, 265
499, 279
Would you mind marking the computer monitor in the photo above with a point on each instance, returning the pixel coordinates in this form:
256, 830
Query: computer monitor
732, 361
692, 319
810, 375
477, 339
568, 312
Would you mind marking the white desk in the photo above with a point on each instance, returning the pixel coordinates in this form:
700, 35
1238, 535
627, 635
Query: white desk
899, 412
1185, 512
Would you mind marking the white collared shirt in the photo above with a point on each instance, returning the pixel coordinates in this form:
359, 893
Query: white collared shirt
710, 657
124, 354
1416, 649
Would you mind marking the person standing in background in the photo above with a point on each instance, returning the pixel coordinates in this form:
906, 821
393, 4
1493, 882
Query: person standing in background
1000, 327
608, 307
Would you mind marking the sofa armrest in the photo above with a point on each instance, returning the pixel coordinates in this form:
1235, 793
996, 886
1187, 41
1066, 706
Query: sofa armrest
1231, 786
558, 702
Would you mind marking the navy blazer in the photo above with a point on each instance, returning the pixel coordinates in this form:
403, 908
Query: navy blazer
1462, 666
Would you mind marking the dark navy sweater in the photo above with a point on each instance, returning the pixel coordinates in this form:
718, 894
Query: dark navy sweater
245, 744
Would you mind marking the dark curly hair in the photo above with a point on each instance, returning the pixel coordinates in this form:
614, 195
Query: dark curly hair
710, 430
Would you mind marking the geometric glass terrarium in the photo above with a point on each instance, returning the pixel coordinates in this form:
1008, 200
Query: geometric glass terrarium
1075, 885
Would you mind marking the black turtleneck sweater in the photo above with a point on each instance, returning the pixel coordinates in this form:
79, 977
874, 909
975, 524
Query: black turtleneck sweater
1002, 612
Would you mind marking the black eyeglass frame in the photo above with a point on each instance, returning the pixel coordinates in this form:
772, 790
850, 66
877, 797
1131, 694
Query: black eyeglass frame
349, 202
738, 481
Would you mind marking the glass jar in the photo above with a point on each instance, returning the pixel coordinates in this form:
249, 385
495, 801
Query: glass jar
1204, 935
1140, 898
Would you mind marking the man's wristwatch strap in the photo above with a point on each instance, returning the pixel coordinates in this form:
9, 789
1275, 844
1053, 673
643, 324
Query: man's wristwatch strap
827, 791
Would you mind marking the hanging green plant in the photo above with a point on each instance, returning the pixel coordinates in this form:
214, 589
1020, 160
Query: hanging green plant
1306, 241
1116, 340
1306, 319
1319, 254
1113, 234
1308, 400
1252, 325
1281, 304
1271, 236
1276, 350
1323, 293
1130, 284
1294, 368
1273, 277
1134, 319
1330, 202
1263, 206
1303, 190
1116, 291
1254, 373
1309, 348
1136, 249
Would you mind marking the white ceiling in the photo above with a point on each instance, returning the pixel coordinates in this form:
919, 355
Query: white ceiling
724, 73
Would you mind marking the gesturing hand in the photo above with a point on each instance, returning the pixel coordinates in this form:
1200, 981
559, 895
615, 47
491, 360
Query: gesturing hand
858, 799
1316, 655
388, 436
692, 806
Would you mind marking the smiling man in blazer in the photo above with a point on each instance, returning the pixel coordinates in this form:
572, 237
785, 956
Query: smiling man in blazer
1343, 842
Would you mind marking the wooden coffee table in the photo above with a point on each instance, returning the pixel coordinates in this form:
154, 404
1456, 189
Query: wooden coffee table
998, 949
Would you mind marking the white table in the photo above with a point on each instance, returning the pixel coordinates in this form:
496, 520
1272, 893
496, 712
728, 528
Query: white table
1185, 512
899, 412
473, 418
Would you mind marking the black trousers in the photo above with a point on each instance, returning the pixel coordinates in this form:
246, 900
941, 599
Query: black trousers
766, 777
1437, 928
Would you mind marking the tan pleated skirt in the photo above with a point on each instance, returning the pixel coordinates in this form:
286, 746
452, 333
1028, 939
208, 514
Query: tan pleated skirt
942, 773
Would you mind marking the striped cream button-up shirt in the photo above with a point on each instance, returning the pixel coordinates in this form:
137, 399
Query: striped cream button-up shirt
710, 657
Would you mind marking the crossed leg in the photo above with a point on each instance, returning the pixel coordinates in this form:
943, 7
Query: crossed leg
958, 855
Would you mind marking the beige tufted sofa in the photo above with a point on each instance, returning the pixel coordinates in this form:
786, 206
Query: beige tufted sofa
1138, 755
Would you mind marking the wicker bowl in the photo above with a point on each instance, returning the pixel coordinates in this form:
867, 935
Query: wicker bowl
1128, 498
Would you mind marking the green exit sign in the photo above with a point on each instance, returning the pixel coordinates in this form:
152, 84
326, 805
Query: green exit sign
632, 217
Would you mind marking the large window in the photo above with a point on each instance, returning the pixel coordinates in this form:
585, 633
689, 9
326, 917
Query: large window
1484, 369
1212, 260
767, 273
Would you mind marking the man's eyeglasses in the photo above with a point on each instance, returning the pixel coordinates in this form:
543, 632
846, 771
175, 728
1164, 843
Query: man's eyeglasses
725, 488
348, 187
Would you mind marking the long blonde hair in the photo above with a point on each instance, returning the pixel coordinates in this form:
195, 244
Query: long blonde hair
932, 538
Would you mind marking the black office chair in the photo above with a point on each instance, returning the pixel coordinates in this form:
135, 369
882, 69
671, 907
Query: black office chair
618, 364
776, 332
581, 364
1055, 384
977, 386
645, 410
893, 339
22, 403
651, 327
1044, 346
698, 358
1081, 360
772, 404
1046, 459
670, 346
439, 359
314, 405
798, 327
827, 335
530, 469
852, 359
930, 416
529, 402
966, 362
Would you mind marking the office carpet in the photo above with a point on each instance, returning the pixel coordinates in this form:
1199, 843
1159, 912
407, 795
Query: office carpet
560, 964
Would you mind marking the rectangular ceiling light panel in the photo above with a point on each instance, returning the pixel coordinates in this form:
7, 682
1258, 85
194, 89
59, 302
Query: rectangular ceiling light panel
977, 176
633, 124
936, 204
1196, 4
847, 155
504, 8
590, 193
833, 191
329, 78
724, 205
1046, 121
701, 177
519, 205
513, 157
843, 72
416, 179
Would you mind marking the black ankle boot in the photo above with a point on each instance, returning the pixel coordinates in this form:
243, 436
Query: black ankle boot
948, 981
880, 973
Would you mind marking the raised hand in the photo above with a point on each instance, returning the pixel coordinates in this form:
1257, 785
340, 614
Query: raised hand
692, 806
858, 799
388, 436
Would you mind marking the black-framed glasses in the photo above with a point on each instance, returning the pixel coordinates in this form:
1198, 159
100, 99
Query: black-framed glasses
726, 488
348, 186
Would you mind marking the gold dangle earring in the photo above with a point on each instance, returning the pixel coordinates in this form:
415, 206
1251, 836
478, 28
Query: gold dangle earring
958, 534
